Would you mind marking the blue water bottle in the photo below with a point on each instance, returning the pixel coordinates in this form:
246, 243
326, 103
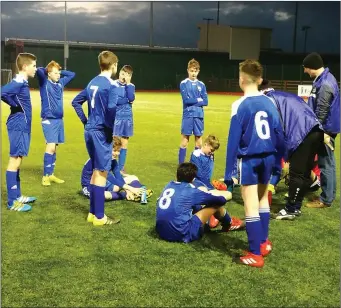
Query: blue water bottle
144, 195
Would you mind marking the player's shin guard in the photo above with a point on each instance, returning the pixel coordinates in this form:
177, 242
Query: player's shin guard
98, 195
264, 214
182, 155
12, 186
18, 184
92, 198
254, 233
122, 158
48, 161
54, 158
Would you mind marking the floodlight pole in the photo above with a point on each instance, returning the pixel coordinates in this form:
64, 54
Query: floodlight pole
66, 48
207, 28
218, 13
295, 27
151, 25
305, 29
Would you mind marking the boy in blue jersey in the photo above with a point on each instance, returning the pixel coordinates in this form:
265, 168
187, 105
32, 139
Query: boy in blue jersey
124, 124
117, 187
17, 95
180, 216
194, 97
203, 159
101, 94
303, 138
51, 84
255, 138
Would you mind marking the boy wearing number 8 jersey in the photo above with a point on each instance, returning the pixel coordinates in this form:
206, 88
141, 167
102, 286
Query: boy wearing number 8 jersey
180, 216
255, 138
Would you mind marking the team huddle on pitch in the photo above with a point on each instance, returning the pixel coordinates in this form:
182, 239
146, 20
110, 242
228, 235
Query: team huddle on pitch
267, 128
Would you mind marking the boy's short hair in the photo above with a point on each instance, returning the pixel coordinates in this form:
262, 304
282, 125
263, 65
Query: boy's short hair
193, 64
106, 59
264, 85
252, 68
24, 58
213, 142
186, 172
51, 65
117, 143
128, 69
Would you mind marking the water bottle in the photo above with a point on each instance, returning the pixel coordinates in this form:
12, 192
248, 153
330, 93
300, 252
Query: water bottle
144, 195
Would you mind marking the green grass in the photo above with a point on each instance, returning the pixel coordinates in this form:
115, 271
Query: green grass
53, 257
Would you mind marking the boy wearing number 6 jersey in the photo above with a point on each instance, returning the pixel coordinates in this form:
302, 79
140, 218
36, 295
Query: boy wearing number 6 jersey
255, 138
180, 216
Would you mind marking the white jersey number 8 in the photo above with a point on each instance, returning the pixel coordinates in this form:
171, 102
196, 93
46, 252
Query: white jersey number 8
165, 200
262, 125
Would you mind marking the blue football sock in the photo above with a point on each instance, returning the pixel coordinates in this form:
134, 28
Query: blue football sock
122, 158
135, 184
254, 233
92, 207
118, 195
12, 186
264, 214
226, 220
54, 158
98, 195
48, 159
182, 155
18, 184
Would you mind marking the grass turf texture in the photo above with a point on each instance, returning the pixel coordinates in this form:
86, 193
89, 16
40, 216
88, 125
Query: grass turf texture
53, 257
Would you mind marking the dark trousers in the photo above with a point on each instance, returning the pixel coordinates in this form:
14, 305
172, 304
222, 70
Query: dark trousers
301, 164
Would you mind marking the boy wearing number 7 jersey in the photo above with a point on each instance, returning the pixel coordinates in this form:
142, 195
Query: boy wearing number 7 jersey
180, 216
255, 138
101, 94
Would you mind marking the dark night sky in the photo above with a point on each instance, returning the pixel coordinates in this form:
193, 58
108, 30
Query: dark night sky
175, 23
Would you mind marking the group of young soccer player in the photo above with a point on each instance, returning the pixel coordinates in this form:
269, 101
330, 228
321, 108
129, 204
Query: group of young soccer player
266, 127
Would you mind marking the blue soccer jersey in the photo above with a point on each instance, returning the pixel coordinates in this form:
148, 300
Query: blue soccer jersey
175, 206
51, 93
17, 95
125, 100
205, 165
255, 130
194, 97
102, 95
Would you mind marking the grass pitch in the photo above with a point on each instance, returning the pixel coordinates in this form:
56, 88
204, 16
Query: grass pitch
53, 257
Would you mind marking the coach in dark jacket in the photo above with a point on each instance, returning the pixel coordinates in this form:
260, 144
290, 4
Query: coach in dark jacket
303, 136
324, 99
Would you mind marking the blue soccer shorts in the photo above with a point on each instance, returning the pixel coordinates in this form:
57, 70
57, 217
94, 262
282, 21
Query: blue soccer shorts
19, 143
123, 128
192, 126
53, 130
99, 149
194, 230
256, 170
